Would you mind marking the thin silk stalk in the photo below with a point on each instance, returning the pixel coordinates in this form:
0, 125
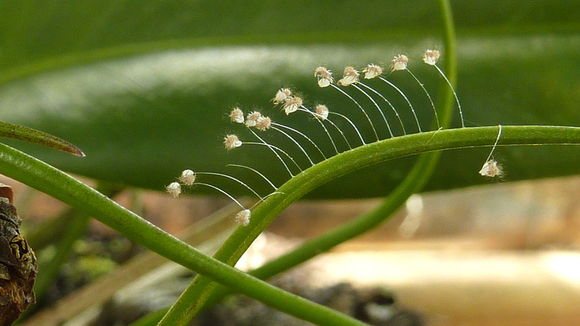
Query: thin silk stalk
375, 104
360, 107
428, 96
296, 143
341, 133
236, 180
275, 153
317, 118
303, 136
352, 125
256, 172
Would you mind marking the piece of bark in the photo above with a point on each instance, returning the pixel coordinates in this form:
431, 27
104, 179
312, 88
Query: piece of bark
18, 266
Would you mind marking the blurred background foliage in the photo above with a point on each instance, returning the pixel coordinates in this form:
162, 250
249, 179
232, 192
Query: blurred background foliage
144, 88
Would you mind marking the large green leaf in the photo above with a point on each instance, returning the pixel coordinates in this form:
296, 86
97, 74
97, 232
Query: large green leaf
144, 88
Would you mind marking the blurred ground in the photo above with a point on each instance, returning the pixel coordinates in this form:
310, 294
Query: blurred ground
506, 254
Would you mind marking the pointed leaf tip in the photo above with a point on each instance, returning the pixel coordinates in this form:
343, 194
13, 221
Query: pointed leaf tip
72, 149
34, 136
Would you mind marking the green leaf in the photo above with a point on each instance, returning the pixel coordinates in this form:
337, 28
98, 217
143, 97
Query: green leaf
145, 89
38, 137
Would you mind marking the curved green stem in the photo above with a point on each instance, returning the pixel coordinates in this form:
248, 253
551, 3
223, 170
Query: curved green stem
202, 292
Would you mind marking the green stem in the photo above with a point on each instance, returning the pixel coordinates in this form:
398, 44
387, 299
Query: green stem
202, 292
450, 56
